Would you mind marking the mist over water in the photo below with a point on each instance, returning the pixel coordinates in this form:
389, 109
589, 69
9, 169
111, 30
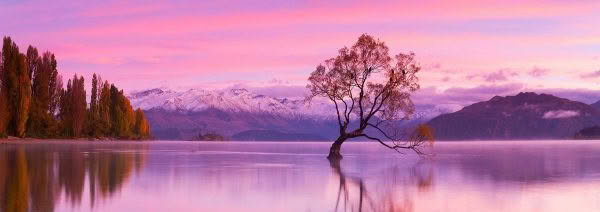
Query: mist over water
270, 176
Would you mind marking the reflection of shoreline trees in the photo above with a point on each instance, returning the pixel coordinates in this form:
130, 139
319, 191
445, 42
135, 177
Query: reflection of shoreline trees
33, 180
16, 182
386, 200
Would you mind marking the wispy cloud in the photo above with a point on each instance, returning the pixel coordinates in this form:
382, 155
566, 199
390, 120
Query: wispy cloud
538, 72
465, 95
135, 43
560, 114
497, 76
594, 74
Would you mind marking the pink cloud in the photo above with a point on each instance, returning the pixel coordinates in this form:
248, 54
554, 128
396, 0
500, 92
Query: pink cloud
594, 74
202, 42
538, 72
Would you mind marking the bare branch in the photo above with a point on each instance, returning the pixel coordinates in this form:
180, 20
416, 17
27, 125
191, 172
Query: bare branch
337, 112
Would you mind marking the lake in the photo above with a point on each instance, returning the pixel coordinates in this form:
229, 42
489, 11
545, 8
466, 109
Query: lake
271, 176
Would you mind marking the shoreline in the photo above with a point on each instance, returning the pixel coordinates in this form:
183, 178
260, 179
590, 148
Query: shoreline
108, 140
74, 140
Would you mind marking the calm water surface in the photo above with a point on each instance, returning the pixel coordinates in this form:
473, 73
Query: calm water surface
236, 176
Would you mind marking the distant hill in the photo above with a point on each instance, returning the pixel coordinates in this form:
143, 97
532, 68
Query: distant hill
273, 135
182, 114
589, 133
239, 114
524, 116
596, 105
184, 125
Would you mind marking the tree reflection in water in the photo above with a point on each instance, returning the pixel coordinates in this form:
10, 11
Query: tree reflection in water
387, 199
33, 180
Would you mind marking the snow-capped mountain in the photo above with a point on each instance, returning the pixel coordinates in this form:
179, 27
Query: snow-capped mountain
229, 100
244, 115
241, 100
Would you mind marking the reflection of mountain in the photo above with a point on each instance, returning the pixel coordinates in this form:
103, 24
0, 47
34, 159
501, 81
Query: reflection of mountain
32, 180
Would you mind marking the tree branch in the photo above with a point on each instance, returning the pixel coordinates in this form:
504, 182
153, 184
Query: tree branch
413, 146
337, 110
347, 119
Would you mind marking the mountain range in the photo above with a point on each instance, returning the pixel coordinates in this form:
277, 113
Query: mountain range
596, 105
523, 116
243, 115
239, 114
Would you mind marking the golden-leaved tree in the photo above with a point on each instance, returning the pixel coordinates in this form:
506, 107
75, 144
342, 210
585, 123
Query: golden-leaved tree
34, 103
45, 86
16, 84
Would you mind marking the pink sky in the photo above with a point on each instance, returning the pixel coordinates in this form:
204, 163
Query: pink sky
468, 45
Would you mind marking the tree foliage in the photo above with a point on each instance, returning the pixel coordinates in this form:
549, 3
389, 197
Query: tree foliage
17, 84
368, 85
4, 113
141, 124
104, 105
78, 106
92, 115
65, 111
34, 103
114, 116
44, 98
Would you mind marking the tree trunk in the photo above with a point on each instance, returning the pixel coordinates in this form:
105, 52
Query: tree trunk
334, 151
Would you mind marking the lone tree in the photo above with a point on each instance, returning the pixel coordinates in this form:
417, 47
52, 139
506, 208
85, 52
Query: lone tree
370, 87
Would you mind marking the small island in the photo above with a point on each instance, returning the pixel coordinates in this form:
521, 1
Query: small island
210, 136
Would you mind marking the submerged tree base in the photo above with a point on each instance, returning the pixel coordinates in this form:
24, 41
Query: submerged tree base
334, 151
334, 156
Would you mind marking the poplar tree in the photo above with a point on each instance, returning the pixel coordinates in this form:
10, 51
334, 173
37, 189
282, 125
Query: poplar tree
104, 110
142, 129
3, 101
42, 122
79, 105
23, 96
65, 112
33, 60
92, 119
17, 85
